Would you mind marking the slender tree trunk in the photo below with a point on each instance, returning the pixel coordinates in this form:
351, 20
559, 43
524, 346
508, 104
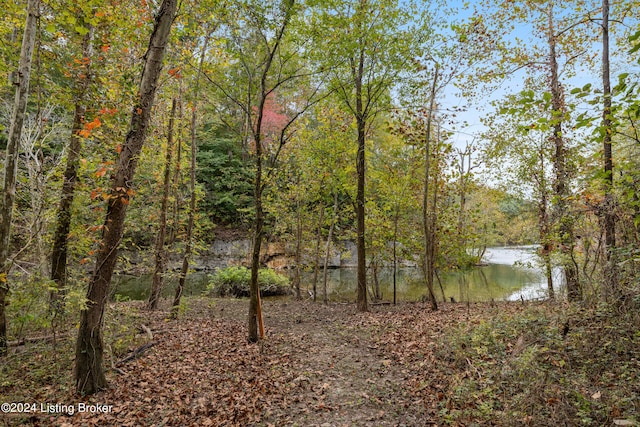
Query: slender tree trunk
298, 255
256, 328
428, 212
69, 181
396, 219
462, 193
328, 247
545, 252
561, 188
192, 213
11, 161
316, 258
89, 372
544, 225
611, 269
160, 253
256, 324
375, 267
192, 185
360, 196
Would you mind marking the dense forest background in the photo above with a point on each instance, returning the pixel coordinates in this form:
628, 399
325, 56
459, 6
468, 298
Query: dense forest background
422, 131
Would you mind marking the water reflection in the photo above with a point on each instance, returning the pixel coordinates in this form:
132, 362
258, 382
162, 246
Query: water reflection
512, 273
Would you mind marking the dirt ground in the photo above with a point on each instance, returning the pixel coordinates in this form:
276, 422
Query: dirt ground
320, 365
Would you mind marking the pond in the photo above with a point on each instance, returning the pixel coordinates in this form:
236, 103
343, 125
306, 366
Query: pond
511, 273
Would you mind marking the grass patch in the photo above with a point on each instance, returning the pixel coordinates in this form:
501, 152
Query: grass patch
234, 281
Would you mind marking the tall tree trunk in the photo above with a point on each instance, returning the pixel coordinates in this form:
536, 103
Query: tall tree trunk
11, 161
561, 188
428, 212
176, 185
160, 253
184, 270
360, 196
192, 184
89, 373
256, 328
69, 181
256, 325
611, 269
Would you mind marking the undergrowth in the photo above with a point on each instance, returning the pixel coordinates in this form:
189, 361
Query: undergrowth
549, 365
234, 281
42, 368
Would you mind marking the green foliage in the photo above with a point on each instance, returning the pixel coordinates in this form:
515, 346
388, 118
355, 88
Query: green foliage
122, 331
227, 181
234, 281
29, 306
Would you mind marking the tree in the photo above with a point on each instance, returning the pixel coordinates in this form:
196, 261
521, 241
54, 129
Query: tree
89, 373
565, 39
192, 184
11, 161
160, 253
268, 58
372, 44
611, 270
520, 154
59, 251
563, 217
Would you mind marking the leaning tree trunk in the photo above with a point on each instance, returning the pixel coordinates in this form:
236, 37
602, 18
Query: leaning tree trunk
89, 372
11, 161
161, 253
69, 181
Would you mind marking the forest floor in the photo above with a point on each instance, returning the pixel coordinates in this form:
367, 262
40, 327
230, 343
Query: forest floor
328, 365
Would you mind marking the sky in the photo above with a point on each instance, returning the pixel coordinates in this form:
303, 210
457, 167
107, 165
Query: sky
525, 36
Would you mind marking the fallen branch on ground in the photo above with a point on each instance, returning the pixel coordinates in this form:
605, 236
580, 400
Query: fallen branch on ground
136, 353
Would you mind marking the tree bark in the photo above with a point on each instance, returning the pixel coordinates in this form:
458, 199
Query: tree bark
327, 249
192, 185
69, 181
255, 309
160, 253
396, 219
611, 269
563, 217
298, 255
256, 325
316, 252
358, 74
11, 161
89, 373
428, 212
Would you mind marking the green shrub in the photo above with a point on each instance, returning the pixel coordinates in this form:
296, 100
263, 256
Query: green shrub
30, 311
234, 281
